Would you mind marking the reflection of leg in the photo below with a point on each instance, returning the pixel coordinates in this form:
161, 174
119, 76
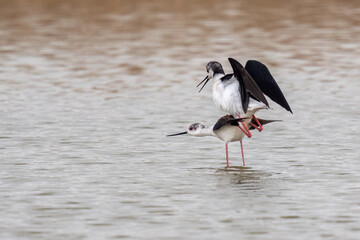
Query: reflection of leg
246, 131
242, 153
259, 127
227, 155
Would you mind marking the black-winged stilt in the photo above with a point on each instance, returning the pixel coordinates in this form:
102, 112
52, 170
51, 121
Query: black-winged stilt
226, 129
242, 93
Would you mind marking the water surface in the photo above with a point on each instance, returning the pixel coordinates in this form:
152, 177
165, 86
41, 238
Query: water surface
90, 89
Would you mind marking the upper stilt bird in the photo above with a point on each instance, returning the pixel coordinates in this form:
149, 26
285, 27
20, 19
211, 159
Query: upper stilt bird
242, 92
226, 129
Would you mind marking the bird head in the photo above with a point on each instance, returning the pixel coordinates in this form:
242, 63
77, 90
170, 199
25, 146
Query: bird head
194, 129
212, 68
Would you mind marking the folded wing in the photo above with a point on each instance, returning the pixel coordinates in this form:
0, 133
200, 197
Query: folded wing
227, 120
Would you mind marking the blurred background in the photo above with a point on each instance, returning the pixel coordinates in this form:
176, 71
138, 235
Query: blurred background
90, 89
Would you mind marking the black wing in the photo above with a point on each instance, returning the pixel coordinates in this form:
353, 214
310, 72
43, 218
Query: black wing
262, 122
227, 120
266, 82
247, 85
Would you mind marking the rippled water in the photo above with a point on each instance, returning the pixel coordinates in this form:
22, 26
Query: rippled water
90, 89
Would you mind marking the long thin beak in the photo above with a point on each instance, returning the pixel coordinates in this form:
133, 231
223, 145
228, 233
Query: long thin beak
205, 80
176, 134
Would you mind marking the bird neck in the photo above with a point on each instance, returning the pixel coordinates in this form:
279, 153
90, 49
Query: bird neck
218, 76
217, 80
207, 131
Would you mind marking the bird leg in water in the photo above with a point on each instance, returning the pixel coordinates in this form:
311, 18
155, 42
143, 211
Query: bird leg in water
259, 127
242, 153
227, 155
246, 131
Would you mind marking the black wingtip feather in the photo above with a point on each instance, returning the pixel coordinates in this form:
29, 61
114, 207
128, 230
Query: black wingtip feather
262, 76
262, 122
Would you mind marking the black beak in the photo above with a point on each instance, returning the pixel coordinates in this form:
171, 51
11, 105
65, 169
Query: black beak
205, 80
176, 134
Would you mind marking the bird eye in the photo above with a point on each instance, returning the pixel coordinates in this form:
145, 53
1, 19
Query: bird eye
191, 128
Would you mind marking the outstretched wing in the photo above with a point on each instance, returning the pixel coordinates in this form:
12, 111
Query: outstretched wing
266, 82
247, 85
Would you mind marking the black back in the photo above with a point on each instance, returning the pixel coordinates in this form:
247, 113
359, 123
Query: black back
230, 120
227, 77
227, 120
247, 85
266, 82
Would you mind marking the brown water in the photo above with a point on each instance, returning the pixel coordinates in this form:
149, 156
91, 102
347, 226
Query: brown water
90, 89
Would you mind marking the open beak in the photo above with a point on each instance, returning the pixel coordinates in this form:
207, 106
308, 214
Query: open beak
176, 134
205, 80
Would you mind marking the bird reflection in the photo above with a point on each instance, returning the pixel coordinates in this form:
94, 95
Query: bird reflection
251, 179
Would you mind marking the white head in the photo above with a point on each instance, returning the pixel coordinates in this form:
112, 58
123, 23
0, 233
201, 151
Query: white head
196, 130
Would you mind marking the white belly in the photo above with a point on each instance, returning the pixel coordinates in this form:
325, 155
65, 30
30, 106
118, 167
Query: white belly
230, 134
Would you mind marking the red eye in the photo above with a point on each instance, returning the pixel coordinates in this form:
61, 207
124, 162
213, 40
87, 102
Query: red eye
191, 128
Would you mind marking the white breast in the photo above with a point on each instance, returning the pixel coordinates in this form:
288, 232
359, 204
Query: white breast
226, 95
227, 98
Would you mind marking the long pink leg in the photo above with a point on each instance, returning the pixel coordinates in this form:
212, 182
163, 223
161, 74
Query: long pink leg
247, 131
259, 127
242, 153
227, 155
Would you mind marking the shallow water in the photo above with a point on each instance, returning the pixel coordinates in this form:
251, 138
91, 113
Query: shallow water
90, 89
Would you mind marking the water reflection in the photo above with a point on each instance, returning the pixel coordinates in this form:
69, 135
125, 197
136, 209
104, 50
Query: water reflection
251, 179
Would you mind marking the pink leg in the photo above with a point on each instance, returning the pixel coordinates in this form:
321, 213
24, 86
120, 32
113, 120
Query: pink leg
247, 131
227, 155
242, 153
259, 127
